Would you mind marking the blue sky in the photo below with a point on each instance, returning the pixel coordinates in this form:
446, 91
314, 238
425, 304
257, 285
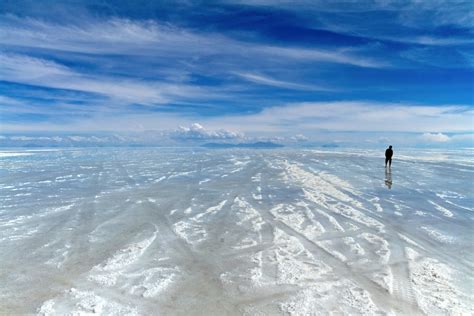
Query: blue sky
294, 70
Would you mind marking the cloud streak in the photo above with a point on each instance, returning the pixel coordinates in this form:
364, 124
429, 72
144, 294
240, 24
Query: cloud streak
255, 67
435, 137
265, 80
44, 73
292, 119
358, 116
127, 37
197, 132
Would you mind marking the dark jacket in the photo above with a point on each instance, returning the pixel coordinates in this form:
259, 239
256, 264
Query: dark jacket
388, 153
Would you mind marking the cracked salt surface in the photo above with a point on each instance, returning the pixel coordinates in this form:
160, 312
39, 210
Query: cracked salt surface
212, 232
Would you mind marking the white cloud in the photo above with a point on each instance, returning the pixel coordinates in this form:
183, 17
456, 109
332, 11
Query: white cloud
310, 117
435, 137
443, 138
300, 138
287, 120
264, 80
44, 73
134, 38
340, 56
22, 138
197, 132
411, 13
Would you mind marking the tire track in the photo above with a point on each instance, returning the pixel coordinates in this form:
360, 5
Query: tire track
379, 295
401, 284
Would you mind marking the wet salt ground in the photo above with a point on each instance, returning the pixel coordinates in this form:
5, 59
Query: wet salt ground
181, 231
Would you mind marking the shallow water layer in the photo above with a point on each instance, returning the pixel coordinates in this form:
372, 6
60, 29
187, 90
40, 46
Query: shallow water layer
215, 232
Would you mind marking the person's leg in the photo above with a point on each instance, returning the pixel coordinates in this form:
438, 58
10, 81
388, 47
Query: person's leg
390, 163
386, 160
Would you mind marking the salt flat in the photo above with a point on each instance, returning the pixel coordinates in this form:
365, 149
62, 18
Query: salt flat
230, 232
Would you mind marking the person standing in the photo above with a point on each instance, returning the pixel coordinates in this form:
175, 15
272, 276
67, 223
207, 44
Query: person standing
388, 156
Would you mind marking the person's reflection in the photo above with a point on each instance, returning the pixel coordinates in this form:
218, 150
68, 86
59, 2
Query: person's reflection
388, 178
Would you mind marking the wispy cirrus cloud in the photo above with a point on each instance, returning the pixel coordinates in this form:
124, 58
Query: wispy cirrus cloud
256, 66
123, 36
357, 116
121, 62
293, 119
412, 13
44, 73
265, 80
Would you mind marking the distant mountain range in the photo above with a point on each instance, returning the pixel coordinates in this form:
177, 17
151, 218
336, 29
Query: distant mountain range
243, 145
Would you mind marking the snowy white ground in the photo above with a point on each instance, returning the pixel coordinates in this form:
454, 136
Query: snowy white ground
232, 232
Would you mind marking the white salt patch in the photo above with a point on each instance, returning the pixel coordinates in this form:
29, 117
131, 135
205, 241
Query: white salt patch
434, 288
330, 298
204, 181
258, 196
59, 260
443, 210
22, 194
211, 210
154, 281
384, 278
383, 250
322, 188
330, 218
19, 235
358, 216
107, 273
192, 232
354, 247
328, 245
7, 154
256, 272
437, 235
375, 202
304, 303
246, 213
257, 177
358, 301
245, 243
241, 163
47, 308
295, 264
76, 302
352, 227
236, 170
449, 194
181, 174
326, 184
296, 219
408, 240
160, 179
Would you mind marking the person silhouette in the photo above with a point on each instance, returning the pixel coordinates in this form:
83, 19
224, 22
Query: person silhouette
388, 156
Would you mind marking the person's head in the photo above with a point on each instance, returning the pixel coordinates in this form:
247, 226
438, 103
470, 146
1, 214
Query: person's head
390, 146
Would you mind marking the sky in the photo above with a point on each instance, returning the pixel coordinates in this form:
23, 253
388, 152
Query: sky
291, 71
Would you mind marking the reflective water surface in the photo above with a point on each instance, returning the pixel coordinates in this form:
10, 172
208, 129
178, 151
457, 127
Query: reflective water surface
193, 231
